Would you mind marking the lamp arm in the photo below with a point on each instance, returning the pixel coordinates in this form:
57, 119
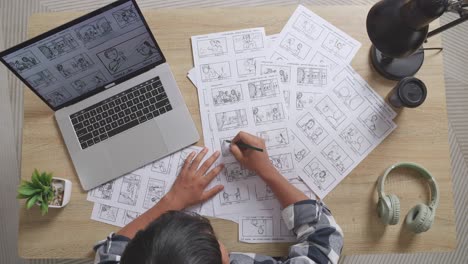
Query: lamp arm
436, 31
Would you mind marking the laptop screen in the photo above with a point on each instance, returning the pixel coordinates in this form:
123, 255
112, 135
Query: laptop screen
80, 58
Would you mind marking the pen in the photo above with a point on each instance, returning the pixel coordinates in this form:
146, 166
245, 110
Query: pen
243, 145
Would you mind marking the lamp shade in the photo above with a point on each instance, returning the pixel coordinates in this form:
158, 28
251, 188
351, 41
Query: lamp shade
397, 28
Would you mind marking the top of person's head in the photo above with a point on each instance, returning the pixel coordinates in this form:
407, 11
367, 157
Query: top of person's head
175, 238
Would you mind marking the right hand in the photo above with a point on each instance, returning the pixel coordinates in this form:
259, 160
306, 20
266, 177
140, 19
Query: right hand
253, 160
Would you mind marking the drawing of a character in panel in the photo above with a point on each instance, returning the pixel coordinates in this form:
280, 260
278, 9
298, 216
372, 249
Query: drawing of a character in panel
248, 42
146, 49
125, 16
283, 76
116, 59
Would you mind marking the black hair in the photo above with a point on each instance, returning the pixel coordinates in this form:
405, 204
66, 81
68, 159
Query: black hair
174, 238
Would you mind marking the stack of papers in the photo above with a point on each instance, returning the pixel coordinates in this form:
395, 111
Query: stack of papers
298, 92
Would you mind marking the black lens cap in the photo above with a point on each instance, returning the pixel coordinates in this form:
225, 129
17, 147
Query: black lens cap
412, 92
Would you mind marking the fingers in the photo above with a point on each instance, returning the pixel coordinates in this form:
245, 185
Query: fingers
188, 161
198, 159
211, 192
213, 173
235, 150
207, 164
244, 137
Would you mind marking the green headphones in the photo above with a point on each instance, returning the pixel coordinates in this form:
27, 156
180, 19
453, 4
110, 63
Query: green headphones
420, 218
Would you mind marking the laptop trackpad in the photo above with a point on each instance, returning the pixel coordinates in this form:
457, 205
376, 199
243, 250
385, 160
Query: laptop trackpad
137, 147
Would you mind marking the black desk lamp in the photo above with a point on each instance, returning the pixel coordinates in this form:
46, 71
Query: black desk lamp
398, 28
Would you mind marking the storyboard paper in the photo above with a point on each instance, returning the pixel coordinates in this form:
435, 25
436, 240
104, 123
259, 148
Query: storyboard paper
228, 55
308, 38
331, 139
133, 194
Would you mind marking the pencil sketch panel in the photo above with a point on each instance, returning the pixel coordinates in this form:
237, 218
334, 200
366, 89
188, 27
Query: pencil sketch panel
319, 174
306, 100
374, 122
233, 119
227, 95
126, 16
348, 95
331, 112
89, 82
311, 76
58, 47
23, 62
155, 190
284, 72
263, 192
129, 189
130, 54
94, 31
108, 213
129, 216
300, 150
321, 59
215, 71
234, 194
283, 162
263, 89
275, 138
295, 46
104, 191
74, 65
248, 66
58, 96
355, 139
338, 46
235, 172
257, 227
311, 128
248, 42
269, 113
337, 157
41, 79
308, 27
212, 47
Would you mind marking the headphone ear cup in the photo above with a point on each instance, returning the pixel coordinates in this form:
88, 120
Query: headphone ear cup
388, 209
395, 202
419, 219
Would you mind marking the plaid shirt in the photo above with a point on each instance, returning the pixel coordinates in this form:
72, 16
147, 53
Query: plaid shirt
319, 239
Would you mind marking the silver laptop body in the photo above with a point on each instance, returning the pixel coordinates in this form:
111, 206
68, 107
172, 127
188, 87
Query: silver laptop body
160, 121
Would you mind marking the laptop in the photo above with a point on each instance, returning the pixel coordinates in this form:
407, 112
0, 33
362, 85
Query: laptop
115, 99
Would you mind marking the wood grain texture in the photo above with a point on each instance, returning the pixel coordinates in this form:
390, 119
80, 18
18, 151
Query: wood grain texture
421, 137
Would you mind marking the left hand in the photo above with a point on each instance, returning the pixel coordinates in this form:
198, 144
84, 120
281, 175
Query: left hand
189, 187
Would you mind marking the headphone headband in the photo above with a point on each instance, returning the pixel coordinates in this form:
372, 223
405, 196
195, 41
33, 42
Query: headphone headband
422, 171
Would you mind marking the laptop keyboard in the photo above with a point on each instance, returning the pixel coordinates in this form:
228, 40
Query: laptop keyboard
120, 112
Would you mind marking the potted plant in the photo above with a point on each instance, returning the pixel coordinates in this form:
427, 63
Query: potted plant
45, 191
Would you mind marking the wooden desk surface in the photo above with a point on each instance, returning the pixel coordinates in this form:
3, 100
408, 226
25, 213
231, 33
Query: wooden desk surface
421, 137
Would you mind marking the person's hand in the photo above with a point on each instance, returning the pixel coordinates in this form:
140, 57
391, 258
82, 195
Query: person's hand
189, 187
253, 160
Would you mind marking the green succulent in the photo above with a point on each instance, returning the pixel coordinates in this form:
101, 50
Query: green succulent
38, 190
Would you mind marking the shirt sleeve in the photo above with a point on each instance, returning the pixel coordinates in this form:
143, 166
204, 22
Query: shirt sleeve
319, 237
110, 250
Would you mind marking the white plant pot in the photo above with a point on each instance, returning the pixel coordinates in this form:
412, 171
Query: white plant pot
67, 188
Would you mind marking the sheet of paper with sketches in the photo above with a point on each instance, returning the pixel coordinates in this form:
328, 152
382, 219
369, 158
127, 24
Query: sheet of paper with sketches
304, 84
141, 189
303, 81
228, 55
332, 139
254, 105
308, 38
264, 227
